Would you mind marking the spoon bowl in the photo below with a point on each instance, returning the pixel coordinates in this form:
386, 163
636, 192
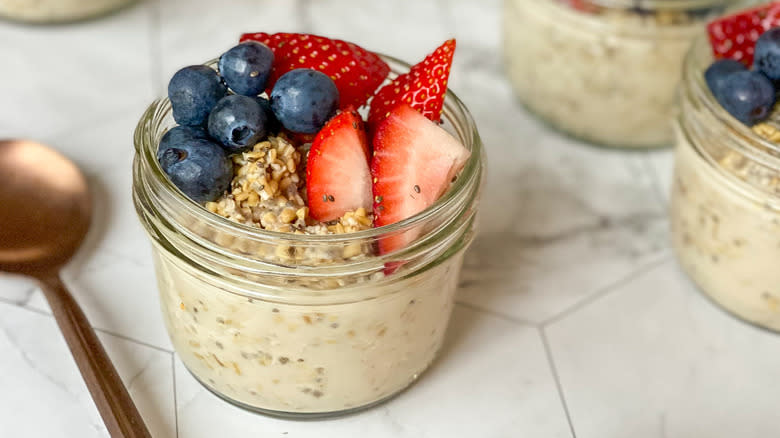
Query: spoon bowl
45, 210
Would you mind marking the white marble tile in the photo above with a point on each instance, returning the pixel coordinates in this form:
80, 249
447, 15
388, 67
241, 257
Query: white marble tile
656, 359
58, 78
44, 396
16, 289
662, 165
194, 31
492, 380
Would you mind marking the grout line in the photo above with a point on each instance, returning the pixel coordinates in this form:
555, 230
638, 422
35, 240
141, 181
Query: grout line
135, 341
557, 379
302, 14
175, 400
656, 183
507, 318
25, 307
607, 289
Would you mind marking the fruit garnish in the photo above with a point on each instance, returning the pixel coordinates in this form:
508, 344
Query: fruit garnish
423, 87
238, 122
303, 100
356, 71
246, 67
767, 54
747, 95
734, 36
199, 168
193, 92
337, 173
413, 164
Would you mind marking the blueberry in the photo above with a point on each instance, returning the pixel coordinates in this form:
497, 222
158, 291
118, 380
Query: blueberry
199, 168
304, 99
179, 135
193, 92
717, 73
273, 125
767, 54
238, 122
246, 67
748, 96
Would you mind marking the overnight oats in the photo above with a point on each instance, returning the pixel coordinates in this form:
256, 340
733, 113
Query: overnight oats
604, 71
725, 204
55, 11
308, 254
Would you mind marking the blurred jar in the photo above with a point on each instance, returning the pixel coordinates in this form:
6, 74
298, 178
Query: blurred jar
57, 11
604, 71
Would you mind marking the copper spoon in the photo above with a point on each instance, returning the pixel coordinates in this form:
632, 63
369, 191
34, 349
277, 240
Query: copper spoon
45, 210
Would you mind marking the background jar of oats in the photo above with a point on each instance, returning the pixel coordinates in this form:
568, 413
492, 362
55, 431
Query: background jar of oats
304, 325
725, 203
604, 71
57, 11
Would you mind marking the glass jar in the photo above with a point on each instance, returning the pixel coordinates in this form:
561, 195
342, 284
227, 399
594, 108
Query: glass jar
301, 325
57, 11
725, 202
603, 71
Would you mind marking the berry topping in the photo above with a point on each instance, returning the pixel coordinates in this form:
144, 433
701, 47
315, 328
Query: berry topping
246, 67
423, 87
767, 56
734, 36
180, 134
716, 74
273, 126
413, 164
304, 99
238, 122
337, 174
356, 71
748, 96
199, 168
193, 92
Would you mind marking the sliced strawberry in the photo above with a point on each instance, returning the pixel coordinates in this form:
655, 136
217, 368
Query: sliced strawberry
413, 164
734, 36
423, 87
356, 71
337, 174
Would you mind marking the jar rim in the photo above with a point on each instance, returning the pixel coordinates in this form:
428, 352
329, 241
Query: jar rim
455, 111
698, 58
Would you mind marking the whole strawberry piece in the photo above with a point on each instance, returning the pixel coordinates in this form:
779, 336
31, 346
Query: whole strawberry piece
413, 164
337, 174
356, 71
734, 36
423, 87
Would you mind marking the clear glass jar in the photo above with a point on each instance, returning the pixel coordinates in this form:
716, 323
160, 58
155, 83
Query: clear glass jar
725, 202
57, 11
300, 325
604, 71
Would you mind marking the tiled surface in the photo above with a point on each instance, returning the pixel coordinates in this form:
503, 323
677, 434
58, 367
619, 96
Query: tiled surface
573, 318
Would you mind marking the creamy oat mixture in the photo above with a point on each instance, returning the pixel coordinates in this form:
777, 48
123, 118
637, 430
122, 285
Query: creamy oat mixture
295, 358
56, 10
605, 77
726, 230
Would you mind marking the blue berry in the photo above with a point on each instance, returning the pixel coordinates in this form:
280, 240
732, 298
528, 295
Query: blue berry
179, 135
193, 92
748, 96
273, 125
246, 67
199, 168
767, 55
717, 73
238, 122
303, 100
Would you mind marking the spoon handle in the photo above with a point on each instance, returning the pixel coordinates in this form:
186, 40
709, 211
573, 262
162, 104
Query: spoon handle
109, 393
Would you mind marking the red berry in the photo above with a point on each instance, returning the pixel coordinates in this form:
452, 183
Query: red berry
734, 36
423, 87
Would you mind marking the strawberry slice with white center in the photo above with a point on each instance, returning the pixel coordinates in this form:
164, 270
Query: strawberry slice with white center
338, 179
413, 164
423, 87
356, 71
734, 36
